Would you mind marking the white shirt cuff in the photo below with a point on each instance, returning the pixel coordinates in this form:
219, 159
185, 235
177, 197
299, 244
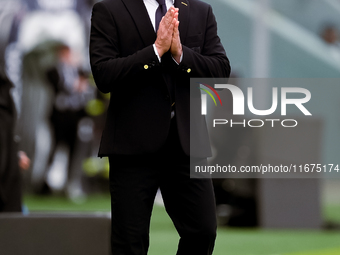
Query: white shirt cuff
159, 59
180, 60
156, 52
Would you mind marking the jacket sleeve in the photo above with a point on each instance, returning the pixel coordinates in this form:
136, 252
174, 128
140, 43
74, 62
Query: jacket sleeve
212, 60
108, 65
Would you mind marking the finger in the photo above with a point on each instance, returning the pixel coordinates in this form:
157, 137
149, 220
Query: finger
172, 25
164, 23
175, 35
176, 15
176, 27
161, 24
174, 22
173, 8
169, 14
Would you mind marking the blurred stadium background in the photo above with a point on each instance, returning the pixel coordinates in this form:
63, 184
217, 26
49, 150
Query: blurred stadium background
263, 39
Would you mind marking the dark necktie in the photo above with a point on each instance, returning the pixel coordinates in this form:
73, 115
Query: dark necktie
160, 12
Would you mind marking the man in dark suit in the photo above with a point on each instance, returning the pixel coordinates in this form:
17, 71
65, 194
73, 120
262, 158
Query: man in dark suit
147, 132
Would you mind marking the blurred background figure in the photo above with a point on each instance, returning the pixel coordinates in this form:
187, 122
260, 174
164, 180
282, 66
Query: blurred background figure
11, 160
10, 181
46, 27
53, 60
44, 62
71, 93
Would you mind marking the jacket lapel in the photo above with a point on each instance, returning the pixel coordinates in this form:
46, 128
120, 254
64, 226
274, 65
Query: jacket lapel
141, 18
183, 17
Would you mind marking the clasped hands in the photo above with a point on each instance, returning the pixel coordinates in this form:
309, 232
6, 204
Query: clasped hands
168, 35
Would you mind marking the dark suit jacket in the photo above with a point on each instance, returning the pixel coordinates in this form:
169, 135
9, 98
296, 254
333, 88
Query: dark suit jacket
143, 89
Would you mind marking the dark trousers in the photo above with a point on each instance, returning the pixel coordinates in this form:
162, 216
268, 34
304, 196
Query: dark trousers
190, 203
